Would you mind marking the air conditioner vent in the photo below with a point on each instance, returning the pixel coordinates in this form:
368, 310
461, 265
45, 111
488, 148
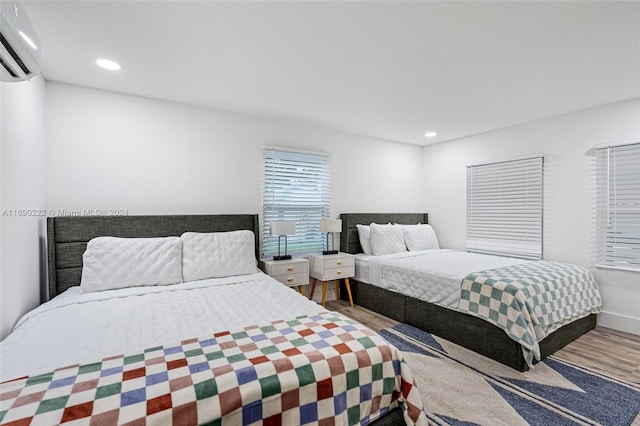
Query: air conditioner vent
8, 69
19, 44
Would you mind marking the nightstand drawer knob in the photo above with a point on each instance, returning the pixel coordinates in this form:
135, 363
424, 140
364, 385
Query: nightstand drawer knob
290, 268
339, 262
339, 272
289, 279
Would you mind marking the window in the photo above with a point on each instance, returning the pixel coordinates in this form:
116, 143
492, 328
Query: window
504, 208
296, 187
618, 206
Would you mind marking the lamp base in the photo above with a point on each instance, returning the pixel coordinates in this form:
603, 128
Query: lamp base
326, 252
283, 257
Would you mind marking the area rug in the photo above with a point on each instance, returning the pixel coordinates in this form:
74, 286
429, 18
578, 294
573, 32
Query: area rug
460, 387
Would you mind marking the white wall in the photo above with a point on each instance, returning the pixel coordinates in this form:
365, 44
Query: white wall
107, 150
569, 219
113, 151
22, 192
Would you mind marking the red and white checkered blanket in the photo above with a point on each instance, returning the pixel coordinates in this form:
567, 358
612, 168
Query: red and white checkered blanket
317, 370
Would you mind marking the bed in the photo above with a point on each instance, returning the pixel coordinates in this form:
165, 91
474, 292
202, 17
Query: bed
232, 346
436, 315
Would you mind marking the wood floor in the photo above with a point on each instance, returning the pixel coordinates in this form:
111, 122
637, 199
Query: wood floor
610, 352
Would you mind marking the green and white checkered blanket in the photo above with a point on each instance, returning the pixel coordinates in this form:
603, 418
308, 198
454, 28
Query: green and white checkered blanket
530, 300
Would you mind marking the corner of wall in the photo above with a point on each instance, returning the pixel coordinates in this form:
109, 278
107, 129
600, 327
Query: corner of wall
22, 193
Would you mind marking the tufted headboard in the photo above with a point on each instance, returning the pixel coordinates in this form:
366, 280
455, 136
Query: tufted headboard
67, 237
349, 241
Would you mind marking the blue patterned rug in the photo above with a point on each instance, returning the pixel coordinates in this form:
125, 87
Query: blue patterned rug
460, 387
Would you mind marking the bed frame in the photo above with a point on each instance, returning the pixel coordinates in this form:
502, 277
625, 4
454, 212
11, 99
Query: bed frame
465, 330
67, 238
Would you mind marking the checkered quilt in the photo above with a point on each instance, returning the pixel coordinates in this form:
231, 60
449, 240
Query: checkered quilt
530, 300
317, 370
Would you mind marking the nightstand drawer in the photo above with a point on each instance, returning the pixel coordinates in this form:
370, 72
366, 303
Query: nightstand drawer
337, 273
290, 268
341, 262
301, 278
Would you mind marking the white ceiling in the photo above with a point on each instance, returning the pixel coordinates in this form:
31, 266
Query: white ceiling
386, 69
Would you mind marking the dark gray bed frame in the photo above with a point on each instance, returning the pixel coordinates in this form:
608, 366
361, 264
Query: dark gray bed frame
67, 238
465, 330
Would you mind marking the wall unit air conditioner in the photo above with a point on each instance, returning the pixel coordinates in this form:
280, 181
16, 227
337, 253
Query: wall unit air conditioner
19, 44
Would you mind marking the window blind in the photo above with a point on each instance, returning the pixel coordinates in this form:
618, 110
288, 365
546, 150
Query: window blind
296, 186
618, 206
504, 208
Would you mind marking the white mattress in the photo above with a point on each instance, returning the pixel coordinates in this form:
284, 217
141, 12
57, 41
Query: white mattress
434, 276
78, 327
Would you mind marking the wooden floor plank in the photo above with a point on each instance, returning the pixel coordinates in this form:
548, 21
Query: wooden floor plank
371, 319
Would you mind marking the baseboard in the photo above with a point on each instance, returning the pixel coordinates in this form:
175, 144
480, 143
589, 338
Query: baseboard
619, 322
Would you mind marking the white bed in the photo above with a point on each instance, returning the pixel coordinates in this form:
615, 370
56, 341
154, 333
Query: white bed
546, 299
431, 275
132, 319
501, 307
127, 337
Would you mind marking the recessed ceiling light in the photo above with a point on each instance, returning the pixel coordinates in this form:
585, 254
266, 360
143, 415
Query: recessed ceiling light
430, 134
28, 40
108, 64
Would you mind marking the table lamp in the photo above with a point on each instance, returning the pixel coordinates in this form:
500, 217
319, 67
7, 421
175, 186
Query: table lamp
330, 226
282, 228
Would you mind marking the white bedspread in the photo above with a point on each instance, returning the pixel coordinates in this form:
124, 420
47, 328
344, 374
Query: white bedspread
80, 327
434, 276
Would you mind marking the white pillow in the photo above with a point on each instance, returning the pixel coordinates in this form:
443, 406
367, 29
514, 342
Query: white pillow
112, 262
386, 239
364, 233
218, 254
420, 237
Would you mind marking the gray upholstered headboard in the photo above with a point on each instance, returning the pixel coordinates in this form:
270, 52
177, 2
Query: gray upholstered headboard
67, 237
349, 241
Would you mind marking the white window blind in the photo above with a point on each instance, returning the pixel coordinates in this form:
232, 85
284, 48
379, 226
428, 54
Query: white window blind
296, 187
504, 208
618, 206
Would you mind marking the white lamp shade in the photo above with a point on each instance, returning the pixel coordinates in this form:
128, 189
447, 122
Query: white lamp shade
282, 227
330, 225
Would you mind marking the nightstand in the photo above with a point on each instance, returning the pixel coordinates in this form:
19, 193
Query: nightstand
332, 267
290, 272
